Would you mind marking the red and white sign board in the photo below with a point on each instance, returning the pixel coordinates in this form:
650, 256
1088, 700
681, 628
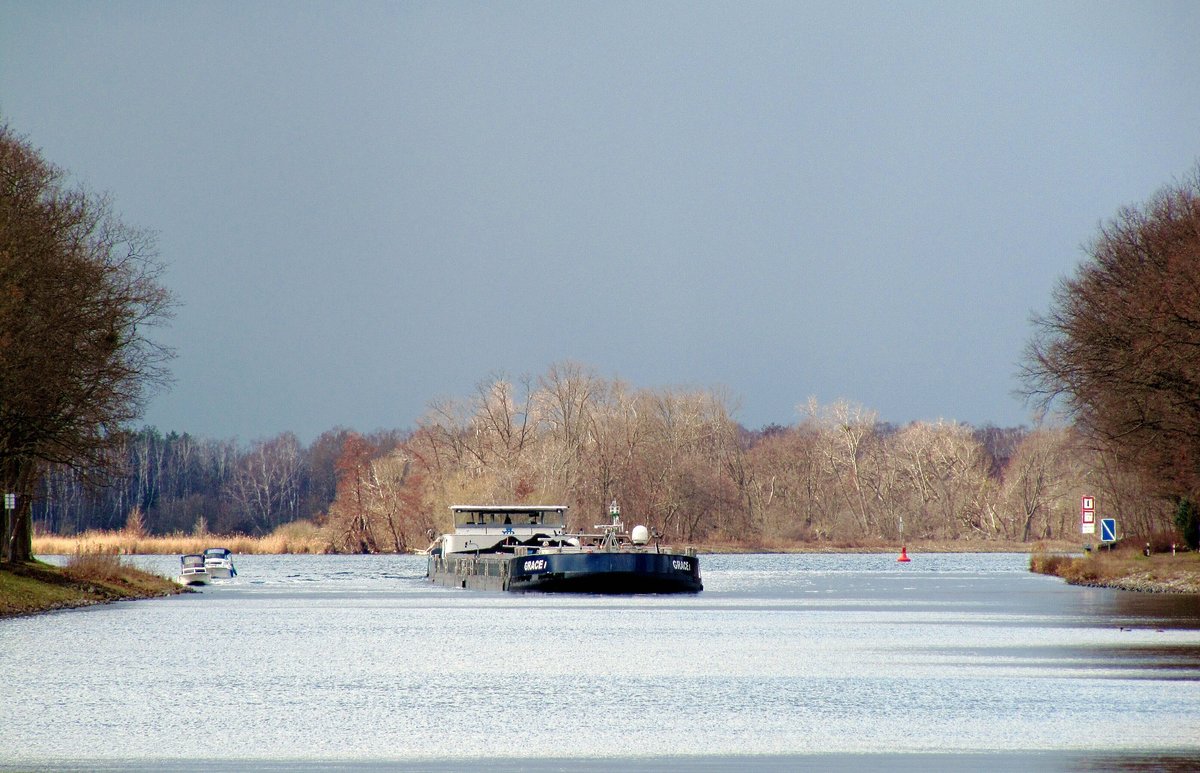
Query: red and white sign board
1087, 507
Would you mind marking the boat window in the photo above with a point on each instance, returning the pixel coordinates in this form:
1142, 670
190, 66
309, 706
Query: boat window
519, 516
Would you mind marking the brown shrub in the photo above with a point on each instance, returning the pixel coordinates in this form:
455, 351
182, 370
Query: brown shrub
94, 567
1048, 563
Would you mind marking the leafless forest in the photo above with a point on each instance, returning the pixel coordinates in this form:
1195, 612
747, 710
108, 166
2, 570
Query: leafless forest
675, 459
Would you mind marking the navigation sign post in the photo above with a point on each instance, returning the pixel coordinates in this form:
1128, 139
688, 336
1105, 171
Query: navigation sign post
1108, 530
1087, 508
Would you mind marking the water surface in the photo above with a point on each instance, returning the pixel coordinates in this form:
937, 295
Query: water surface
788, 660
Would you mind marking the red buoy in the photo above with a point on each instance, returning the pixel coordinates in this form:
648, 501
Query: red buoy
904, 559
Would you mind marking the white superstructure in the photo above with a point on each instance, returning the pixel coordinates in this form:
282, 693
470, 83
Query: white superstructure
483, 527
191, 570
219, 563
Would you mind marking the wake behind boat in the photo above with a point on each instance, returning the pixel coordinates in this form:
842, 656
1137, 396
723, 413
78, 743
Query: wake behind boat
526, 548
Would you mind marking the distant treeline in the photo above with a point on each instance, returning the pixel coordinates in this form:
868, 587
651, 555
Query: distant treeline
674, 459
183, 483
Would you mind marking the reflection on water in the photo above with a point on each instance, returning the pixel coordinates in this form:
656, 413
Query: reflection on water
1163, 610
302, 660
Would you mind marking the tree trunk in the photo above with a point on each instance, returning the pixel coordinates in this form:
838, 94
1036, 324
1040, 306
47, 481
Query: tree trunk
18, 478
21, 545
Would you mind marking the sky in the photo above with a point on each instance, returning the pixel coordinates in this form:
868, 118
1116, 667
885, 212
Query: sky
367, 206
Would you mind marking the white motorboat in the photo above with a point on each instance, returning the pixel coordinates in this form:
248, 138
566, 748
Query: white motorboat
192, 570
219, 563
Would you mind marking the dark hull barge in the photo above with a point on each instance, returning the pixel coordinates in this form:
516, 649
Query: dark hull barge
523, 548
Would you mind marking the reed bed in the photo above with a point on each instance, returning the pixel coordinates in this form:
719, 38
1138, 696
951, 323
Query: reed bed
1126, 569
307, 537
297, 537
93, 567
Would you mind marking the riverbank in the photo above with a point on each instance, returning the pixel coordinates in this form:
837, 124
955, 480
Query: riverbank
34, 587
913, 547
1124, 570
303, 537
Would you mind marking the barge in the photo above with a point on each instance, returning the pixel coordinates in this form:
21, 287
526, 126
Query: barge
526, 548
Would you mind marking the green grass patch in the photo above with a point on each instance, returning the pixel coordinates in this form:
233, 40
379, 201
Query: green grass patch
37, 587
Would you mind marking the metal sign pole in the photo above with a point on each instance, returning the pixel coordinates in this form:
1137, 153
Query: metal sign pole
1087, 512
7, 527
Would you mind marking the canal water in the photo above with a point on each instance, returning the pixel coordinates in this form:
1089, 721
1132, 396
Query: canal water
955, 661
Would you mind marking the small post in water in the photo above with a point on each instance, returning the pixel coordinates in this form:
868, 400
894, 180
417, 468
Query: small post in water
903, 559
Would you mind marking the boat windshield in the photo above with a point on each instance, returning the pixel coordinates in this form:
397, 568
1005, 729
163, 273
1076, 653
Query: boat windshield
508, 515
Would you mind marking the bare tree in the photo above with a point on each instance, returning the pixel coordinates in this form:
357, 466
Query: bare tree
1119, 350
566, 401
349, 514
79, 293
1035, 480
266, 483
849, 444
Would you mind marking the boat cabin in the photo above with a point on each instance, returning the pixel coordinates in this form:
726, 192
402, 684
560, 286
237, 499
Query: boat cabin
219, 562
192, 570
192, 560
487, 528
507, 515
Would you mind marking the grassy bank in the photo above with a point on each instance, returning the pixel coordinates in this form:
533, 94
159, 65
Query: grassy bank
95, 579
1127, 570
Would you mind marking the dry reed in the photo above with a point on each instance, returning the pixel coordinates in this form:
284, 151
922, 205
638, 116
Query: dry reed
1125, 569
93, 567
298, 537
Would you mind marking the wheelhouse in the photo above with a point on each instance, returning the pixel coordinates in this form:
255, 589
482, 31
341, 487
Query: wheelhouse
484, 528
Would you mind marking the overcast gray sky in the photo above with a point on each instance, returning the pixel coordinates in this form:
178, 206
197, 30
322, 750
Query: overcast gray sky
365, 206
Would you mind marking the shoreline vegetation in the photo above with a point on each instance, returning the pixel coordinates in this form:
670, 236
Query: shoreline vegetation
298, 537
33, 587
96, 574
304, 537
1124, 570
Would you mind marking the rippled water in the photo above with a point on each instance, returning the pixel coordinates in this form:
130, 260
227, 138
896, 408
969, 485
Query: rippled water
821, 659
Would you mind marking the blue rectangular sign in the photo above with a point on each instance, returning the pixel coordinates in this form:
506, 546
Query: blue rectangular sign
1108, 529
